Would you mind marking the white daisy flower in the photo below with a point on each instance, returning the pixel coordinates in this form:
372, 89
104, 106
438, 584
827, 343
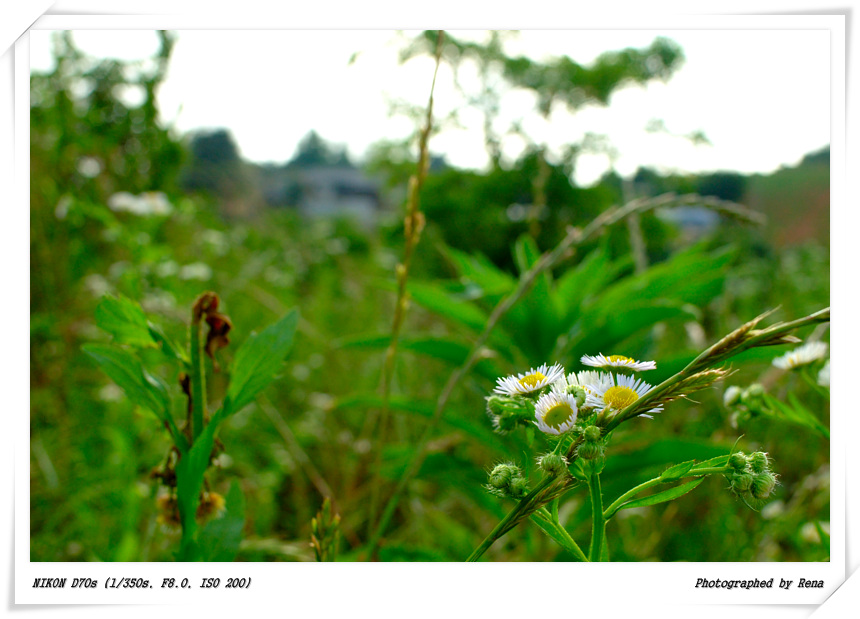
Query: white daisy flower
555, 413
617, 361
575, 379
824, 375
527, 382
809, 352
619, 392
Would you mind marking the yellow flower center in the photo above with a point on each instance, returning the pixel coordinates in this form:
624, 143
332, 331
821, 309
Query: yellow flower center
558, 415
532, 379
619, 358
619, 397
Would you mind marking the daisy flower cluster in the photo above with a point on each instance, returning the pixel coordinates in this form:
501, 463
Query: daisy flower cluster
554, 401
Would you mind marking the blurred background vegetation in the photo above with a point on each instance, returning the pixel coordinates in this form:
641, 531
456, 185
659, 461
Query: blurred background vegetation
121, 204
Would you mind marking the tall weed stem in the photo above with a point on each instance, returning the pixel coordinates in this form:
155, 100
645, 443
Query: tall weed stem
413, 225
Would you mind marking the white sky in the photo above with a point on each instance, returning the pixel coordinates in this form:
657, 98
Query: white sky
762, 97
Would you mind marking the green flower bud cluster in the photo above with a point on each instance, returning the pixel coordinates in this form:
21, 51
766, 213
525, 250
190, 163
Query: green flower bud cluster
578, 393
751, 476
749, 399
507, 412
553, 463
593, 447
506, 480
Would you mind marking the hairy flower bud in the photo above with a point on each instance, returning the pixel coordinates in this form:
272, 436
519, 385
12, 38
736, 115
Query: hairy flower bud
758, 462
738, 461
519, 487
502, 474
590, 451
763, 485
592, 434
741, 482
553, 463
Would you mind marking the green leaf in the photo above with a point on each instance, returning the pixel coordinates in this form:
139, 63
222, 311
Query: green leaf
170, 350
479, 270
126, 370
125, 320
665, 495
796, 413
712, 463
258, 361
189, 480
219, 539
438, 300
676, 472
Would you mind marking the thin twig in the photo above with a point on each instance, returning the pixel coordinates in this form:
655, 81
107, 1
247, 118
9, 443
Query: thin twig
413, 224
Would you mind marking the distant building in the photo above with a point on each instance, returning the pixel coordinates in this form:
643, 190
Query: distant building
324, 191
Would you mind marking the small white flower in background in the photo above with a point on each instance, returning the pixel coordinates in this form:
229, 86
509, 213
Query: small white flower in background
555, 413
617, 361
617, 392
803, 355
147, 203
196, 270
732, 395
528, 382
63, 206
824, 375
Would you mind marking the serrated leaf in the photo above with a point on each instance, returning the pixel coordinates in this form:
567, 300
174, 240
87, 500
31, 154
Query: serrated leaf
126, 370
124, 320
258, 361
664, 496
219, 539
676, 472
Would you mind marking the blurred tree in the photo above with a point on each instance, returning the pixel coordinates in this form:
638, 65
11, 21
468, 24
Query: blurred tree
533, 193
314, 151
216, 168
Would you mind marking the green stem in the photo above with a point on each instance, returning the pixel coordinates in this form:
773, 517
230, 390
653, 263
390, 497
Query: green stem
598, 524
546, 520
198, 381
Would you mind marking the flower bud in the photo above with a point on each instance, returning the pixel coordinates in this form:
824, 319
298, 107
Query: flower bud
732, 395
763, 485
758, 462
519, 487
553, 463
578, 394
752, 393
741, 482
496, 404
502, 474
590, 451
592, 434
738, 461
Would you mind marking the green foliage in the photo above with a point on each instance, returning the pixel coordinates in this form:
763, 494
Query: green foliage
258, 361
126, 370
664, 496
125, 281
